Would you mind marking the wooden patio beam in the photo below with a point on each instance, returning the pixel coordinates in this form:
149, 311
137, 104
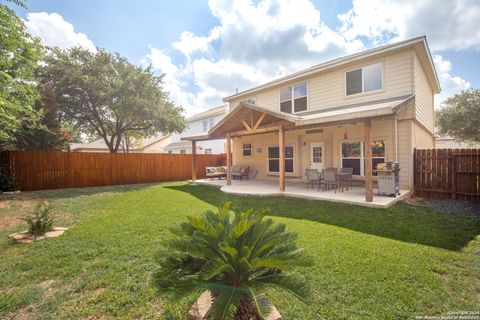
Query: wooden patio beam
245, 124
253, 131
368, 160
259, 121
229, 160
281, 150
194, 161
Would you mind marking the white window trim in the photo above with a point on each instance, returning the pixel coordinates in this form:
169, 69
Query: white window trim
251, 148
205, 127
293, 99
294, 172
361, 158
382, 89
362, 152
211, 123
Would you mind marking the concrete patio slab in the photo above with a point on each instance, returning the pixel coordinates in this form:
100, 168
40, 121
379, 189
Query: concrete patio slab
355, 195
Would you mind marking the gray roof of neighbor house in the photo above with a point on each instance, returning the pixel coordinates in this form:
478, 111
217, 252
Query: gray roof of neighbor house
371, 109
420, 44
208, 113
100, 144
181, 144
447, 142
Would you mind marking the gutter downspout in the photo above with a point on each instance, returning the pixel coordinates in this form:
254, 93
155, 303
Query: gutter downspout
395, 137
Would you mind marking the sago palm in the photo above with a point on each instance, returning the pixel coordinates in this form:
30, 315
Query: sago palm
234, 254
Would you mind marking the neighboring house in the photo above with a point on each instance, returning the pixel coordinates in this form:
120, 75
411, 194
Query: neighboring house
199, 124
446, 142
324, 114
155, 144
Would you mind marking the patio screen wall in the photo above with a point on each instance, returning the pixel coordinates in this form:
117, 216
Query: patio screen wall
38, 170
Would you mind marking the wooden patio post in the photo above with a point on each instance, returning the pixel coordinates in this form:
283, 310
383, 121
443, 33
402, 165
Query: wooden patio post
194, 160
368, 161
281, 150
229, 160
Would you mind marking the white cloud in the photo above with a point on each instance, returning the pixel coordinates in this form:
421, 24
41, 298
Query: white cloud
189, 43
172, 77
451, 85
447, 24
252, 44
56, 32
257, 42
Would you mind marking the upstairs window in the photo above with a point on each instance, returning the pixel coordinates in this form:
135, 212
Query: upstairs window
208, 124
365, 79
294, 99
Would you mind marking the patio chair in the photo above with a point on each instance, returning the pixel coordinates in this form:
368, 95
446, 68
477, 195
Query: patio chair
243, 172
234, 169
313, 178
215, 172
346, 177
252, 173
330, 179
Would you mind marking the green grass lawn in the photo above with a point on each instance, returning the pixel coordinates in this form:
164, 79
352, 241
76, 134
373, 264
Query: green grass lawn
396, 263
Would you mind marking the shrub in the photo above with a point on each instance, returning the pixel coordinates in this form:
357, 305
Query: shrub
233, 254
40, 221
7, 183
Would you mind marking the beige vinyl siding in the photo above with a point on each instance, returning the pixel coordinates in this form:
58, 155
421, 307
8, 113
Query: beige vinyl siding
327, 90
422, 138
259, 160
331, 137
405, 152
424, 111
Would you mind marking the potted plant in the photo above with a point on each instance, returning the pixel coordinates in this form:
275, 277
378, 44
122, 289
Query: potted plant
234, 255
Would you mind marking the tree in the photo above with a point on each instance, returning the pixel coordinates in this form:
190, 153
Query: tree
19, 56
131, 139
233, 255
459, 116
48, 132
104, 94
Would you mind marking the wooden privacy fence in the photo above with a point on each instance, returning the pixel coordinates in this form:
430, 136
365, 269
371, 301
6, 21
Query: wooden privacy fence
38, 170
447, 173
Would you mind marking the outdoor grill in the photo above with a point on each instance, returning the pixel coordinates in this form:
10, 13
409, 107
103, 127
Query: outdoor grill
388, 178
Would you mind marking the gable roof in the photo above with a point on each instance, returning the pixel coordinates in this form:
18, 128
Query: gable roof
419, 44
100, 144
208, 113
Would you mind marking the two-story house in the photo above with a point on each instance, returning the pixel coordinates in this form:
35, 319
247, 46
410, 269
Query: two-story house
355, 111
199, 124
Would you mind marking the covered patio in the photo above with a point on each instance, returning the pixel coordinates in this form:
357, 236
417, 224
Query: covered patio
355, 195
249, 122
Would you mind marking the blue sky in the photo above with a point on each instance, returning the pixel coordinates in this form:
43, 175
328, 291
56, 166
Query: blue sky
207, 49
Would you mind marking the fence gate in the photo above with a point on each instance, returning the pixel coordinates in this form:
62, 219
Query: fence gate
447, 173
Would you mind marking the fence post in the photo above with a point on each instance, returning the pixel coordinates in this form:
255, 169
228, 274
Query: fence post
454, 175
